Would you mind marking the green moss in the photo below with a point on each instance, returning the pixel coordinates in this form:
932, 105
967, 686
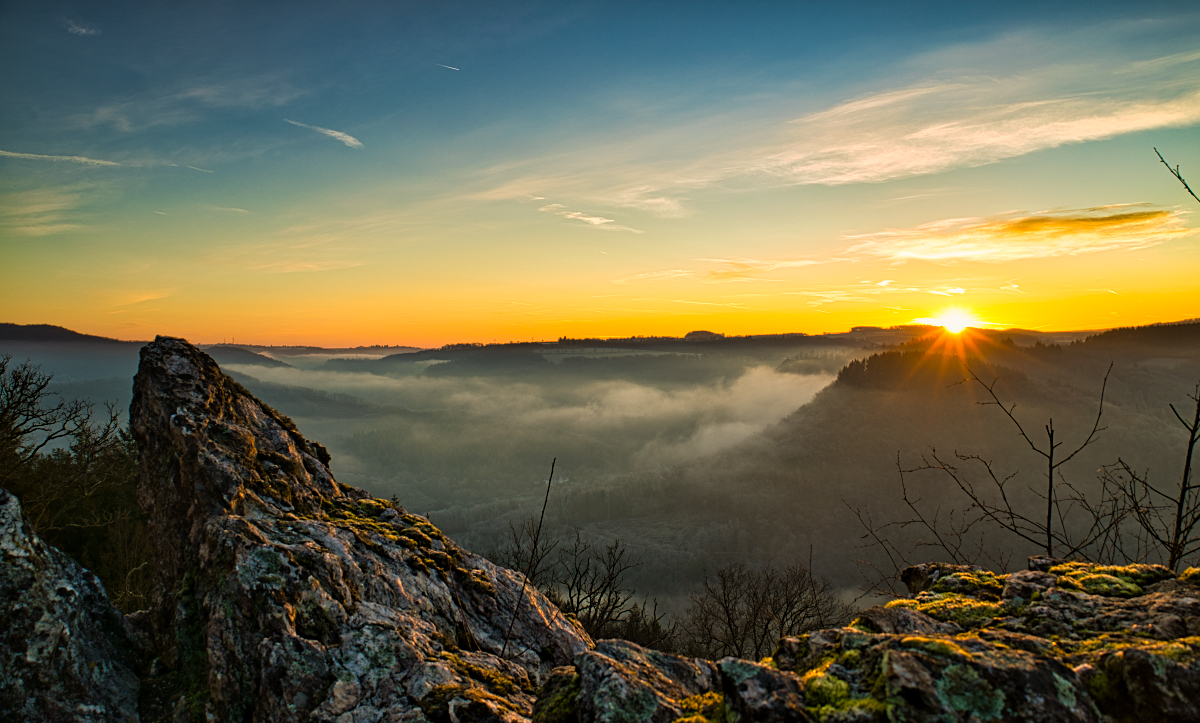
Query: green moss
704, 708
495, 681
1192, 575
436, 703
1107, 585
934, 646
854, 709
1100, 687
556, 704
977, 583
825, 690
952, 607
1109, 580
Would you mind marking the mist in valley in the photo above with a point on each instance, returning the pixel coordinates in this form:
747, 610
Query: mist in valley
723, 453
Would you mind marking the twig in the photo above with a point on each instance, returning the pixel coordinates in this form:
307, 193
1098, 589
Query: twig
537, 536
1175, 172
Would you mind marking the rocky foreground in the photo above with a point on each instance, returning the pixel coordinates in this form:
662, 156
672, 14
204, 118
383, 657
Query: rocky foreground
282, 595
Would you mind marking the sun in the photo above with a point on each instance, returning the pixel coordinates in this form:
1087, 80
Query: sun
953, 320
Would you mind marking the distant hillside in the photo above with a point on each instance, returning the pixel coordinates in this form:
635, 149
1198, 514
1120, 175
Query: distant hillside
237, 355
40, 333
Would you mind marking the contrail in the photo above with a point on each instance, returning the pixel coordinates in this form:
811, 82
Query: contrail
448, 67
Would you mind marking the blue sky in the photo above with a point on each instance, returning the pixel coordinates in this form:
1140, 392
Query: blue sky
307, 172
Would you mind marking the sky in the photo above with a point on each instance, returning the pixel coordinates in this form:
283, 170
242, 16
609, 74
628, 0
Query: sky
423, 173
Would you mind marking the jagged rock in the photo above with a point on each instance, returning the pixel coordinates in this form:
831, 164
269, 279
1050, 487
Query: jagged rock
64, 652
281, 594
622, 682
903, 621
759, 693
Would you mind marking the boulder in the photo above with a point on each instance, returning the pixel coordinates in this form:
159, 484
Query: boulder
281, 594
65, 653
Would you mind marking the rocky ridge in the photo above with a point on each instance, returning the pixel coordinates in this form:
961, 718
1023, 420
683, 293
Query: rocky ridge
1061, 641
282, 594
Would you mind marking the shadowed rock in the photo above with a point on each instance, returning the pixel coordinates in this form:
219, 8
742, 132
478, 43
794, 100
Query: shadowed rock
64, 651
281, 594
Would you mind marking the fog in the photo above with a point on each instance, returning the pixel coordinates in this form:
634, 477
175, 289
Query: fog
430, 432
707, 454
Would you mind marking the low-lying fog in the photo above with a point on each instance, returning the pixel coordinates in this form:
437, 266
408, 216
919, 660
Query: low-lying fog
488, 434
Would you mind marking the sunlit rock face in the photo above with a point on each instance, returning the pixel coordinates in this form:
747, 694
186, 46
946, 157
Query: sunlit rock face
282, 594
1062, 641
65, 654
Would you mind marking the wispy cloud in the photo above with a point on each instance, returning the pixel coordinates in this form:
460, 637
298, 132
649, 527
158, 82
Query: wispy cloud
600, 222
1016, 96
39, 213
228, 209
81, 28
62, 159
292, 267
749, 269
1016, 236
345, 138
202, 170
655, 276
188, 102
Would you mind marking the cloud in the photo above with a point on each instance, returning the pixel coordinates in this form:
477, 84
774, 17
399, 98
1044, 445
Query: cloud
655, 276
228, 209
347, 139
293, 267
748, 269
188, 102
68, 159
38, 213
1017, 236
202, 170
1015, 95
80, 28
600, 222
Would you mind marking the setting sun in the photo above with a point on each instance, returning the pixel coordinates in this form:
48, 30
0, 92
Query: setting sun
953, 320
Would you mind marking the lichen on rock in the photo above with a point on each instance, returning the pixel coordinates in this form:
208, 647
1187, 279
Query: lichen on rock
282, 594
65, 651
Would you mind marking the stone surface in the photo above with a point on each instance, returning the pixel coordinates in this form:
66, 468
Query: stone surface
65, 654
281, 594
621, 682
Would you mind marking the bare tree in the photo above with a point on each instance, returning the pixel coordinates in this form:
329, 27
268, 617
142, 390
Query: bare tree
1169, 519
745, 612
57, 484
1004, 514
31, 419
589, 584
76, 479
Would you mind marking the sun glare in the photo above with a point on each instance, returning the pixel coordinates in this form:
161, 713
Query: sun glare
953, 320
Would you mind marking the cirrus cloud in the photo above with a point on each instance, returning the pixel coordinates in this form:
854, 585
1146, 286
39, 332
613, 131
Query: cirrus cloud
348, 140
599, 222
1017, 236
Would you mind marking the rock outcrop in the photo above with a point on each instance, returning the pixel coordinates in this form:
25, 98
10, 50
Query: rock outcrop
1058, 642
65, 654
282, 594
